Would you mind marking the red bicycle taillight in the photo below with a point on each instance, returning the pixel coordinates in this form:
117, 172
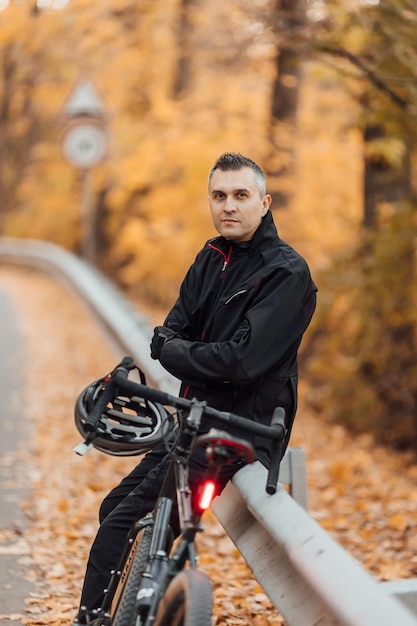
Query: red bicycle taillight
207, 493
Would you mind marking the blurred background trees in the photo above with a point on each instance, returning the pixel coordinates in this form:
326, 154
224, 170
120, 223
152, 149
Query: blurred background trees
322, 93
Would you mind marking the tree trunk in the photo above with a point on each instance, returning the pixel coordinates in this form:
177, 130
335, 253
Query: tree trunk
386, 180
290, 17
182, 78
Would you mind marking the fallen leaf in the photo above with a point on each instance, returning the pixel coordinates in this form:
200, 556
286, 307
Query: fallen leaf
397, 522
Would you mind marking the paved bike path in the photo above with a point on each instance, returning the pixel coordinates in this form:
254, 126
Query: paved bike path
13, 482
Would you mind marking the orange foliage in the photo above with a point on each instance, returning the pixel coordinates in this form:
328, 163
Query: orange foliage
154, 180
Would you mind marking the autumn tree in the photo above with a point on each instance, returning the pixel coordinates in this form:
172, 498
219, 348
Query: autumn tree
369, 370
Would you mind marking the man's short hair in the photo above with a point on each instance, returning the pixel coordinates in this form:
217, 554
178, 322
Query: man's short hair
235, 161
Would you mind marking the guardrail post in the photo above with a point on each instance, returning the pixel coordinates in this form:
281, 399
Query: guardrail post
293, 473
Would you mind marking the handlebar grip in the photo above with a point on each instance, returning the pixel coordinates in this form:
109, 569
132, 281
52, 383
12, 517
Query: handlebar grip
273, 475
278, 421
94, 415
108, 394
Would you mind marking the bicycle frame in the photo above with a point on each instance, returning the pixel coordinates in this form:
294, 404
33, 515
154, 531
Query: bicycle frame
161, 568
161, 565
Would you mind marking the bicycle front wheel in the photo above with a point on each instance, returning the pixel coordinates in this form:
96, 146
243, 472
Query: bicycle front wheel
188, 601
125, 613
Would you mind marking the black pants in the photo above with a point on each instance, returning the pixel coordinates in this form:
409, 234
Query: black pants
135, 496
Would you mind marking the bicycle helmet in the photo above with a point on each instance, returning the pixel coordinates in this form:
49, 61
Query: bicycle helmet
127, 427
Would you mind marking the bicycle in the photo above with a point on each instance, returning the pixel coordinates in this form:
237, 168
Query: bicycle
157, 581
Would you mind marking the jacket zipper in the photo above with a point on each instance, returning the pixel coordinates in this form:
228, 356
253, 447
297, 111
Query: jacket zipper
235, 295
225, 257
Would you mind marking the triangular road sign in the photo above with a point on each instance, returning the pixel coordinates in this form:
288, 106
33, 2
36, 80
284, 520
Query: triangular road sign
84, 100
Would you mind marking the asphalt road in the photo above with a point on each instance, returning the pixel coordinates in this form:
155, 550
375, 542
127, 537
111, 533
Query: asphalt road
13, 482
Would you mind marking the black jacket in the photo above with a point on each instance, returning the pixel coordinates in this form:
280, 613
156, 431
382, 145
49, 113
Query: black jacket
240, 317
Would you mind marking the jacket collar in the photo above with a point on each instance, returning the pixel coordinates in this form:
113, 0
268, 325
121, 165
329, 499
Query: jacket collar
265, 235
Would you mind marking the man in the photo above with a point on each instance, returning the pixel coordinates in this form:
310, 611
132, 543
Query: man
231, 338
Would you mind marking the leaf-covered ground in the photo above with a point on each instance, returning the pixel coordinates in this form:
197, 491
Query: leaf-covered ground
365, 496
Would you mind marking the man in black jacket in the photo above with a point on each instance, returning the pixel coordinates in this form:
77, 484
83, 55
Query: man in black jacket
231, 338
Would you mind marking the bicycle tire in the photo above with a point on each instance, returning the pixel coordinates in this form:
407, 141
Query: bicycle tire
125, 613
188, 601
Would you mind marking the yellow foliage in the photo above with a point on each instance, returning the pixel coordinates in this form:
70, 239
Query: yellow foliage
151, 204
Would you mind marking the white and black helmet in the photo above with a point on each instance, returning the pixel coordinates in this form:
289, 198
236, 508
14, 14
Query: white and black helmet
128, 426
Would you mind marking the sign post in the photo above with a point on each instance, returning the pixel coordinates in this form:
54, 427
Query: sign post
84, 145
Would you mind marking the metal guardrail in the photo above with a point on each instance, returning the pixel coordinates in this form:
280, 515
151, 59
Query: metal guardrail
306, 574
131, 331
310, 579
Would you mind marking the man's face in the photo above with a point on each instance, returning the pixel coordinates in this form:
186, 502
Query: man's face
235, 203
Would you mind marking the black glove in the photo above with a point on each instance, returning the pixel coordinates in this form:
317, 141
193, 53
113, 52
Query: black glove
160, 336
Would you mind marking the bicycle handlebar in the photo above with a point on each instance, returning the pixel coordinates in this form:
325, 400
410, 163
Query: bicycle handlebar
161, 397
118, 382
